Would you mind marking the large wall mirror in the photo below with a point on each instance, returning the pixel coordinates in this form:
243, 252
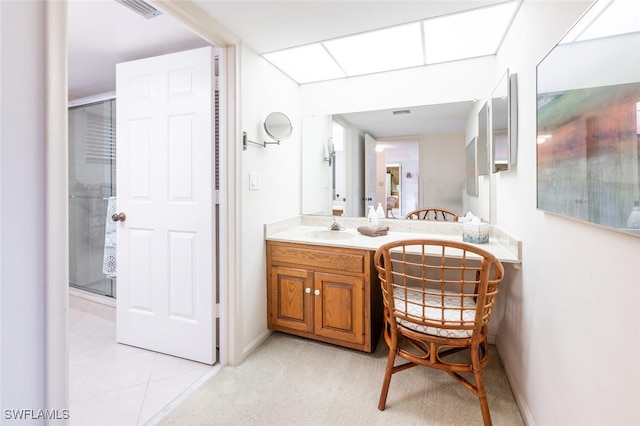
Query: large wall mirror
588, 120
504, 123
415, 153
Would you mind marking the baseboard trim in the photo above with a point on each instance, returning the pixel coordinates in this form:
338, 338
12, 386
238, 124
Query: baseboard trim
255, 343
184, 395
94, 304
520, 400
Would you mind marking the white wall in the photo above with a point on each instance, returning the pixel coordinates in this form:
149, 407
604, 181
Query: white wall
442, 83
263, 90
570, 335
22, 193
409, 181
442, 171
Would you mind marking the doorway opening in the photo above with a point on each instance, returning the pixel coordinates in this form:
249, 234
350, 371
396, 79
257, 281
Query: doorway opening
393, 190
399, 158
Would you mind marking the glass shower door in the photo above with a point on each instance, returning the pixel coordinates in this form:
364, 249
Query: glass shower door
92, 180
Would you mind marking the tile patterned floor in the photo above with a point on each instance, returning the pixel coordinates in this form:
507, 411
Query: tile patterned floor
119, 385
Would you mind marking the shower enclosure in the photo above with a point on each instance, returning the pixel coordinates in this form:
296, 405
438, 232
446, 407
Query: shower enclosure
92, 180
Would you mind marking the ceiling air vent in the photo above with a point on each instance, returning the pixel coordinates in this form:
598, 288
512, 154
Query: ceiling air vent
401, 111
141, 8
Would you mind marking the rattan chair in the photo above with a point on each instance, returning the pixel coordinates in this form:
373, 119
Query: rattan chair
438, 297
432, 213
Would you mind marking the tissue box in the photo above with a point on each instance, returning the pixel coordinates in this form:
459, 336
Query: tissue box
477, 233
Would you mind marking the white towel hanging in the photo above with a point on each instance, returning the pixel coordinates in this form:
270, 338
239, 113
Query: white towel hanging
109, 263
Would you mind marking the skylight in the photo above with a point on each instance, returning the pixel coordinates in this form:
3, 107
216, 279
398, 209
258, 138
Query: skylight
361, 54
306, 63
447, 38
467, 35
613, 18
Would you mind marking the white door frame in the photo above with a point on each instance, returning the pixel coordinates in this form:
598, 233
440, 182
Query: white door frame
57, 225
56, 297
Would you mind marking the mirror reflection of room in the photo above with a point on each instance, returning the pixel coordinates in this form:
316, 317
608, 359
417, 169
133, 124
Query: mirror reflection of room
423, 142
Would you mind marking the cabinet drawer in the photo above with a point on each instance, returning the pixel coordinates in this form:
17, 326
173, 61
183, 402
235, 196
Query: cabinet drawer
343, 260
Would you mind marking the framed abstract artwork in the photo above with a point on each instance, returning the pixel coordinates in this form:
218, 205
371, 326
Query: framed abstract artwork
588, 120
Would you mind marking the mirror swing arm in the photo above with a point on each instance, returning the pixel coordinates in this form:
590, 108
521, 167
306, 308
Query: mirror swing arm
264, 144
278, 127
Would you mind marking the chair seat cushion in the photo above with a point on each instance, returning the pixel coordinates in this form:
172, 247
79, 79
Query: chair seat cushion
431, 309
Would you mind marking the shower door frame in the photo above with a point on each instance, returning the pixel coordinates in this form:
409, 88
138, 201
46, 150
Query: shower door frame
109, 289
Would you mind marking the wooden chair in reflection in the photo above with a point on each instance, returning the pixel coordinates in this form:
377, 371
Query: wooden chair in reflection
438, 297
432, 213
391, 203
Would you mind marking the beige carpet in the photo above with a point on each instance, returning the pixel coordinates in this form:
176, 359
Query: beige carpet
295, 381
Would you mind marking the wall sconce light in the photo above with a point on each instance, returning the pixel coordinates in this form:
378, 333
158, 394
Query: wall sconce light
278, 127
329, 151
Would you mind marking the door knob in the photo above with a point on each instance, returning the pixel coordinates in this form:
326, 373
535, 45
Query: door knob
119, 217
316, 292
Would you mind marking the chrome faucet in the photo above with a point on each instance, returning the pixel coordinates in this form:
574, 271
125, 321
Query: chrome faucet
335, 226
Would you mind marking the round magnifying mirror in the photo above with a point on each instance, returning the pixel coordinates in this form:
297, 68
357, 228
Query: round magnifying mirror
278, 126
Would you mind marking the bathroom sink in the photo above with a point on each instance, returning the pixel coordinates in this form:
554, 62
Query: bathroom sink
328, 235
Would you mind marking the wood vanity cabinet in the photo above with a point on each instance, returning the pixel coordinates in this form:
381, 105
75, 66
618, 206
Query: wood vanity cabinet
324, 293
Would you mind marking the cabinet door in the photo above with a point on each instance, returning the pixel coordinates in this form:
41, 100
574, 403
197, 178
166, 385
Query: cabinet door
339, 307
290, 299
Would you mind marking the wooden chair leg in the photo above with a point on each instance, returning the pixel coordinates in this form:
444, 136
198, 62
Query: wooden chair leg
482, 396
480, 389
387, 379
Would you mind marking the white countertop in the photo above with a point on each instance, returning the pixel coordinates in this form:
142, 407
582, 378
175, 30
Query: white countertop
315, 230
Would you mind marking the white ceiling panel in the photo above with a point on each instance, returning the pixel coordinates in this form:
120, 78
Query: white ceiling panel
377, 51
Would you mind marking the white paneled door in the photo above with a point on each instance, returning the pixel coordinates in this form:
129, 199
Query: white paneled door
165, 277
370, 175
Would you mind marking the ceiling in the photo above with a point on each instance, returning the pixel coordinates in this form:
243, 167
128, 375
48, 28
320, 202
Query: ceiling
103, 33
266, 25
442, 118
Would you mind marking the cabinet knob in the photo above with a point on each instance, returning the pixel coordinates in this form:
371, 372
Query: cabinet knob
316, 292
307, 290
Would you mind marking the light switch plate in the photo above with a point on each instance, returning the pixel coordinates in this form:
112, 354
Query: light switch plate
254, 181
